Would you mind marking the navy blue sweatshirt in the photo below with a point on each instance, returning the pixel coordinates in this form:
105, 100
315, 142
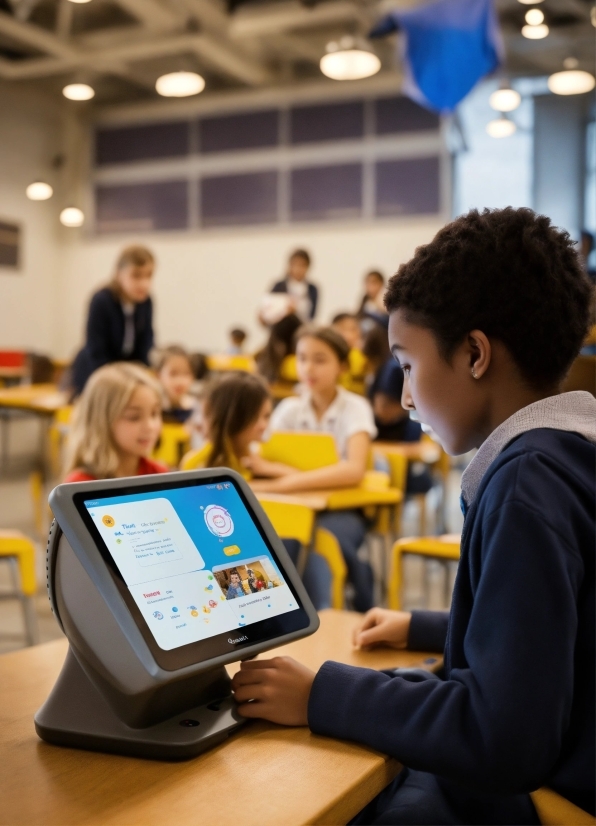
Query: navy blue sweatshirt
516, 708
105, 336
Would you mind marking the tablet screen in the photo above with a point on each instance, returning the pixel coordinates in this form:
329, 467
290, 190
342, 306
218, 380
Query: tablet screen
194, 561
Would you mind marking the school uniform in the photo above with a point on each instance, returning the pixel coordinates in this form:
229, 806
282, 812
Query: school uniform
305, 294
347, 415
515, 710
116, 331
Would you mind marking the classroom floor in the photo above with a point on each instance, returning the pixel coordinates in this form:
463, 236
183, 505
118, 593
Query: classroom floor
16, 512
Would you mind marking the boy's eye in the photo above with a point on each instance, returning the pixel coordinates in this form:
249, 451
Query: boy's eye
406, 369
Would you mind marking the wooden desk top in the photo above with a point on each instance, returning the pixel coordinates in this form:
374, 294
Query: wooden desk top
427, 452
264, 774
44, 399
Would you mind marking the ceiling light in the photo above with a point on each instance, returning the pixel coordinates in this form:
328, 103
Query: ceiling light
535, 32
78, 91
530, 2
505, 100
350, 59
500, 127
80, 1
534, 17
39, 191
179, 84
573, 82
72, 217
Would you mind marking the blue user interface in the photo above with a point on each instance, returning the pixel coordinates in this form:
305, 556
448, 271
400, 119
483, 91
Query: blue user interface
193, 560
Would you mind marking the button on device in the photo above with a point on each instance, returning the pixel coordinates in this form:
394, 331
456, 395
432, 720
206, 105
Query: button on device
231, 550
108, 521
189, 723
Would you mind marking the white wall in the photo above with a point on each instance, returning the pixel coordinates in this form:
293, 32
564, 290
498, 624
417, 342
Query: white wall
205, 283
30, 136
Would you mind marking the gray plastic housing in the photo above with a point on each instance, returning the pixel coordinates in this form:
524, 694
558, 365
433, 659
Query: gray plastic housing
103, 635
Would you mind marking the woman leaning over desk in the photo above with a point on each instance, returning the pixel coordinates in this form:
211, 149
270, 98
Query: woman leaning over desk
120, 320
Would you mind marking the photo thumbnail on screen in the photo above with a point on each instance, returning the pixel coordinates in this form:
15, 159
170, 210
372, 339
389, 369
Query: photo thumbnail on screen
247, 577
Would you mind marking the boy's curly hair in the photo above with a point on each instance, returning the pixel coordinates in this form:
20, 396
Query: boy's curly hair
509, 273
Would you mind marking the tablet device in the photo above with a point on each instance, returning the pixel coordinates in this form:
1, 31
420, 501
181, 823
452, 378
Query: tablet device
196, 562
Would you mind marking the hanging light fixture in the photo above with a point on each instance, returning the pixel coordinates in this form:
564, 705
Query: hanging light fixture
571, 82
534, 17
500, 127
72, 217
530, 2
179, 84
39, 191
80, 1
505, 99
78, 91
349, 59
537, 32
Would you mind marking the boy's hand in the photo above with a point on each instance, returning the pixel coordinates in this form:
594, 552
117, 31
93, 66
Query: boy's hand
383, 627
279, 690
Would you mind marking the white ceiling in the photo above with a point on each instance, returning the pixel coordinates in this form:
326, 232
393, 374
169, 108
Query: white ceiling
122, 46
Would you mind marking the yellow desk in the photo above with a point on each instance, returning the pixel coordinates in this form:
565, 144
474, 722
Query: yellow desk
264, 775
423, 451
42, 399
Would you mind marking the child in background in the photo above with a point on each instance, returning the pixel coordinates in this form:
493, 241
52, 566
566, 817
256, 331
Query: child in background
281, 343
175, 374
374, 291
237, 338
116, 425
348, 326
394, 424
485, 320
326, 407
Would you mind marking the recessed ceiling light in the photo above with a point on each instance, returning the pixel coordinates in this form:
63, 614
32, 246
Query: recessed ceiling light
179, 84
349, 59
505, 100
500, 127
572, 82
534, 17
39, 191
72, 217
78, 91
535, 32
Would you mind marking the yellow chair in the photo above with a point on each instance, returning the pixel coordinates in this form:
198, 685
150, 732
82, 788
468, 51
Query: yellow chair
223, 362
288, 370
354, 378
19, 552
195, 459
327, 546
58, 431
304, 451
291, 520
554, 810
173, 443
441, 548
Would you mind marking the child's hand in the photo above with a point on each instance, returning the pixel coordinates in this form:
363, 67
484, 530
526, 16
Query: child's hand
383, 627
279, 689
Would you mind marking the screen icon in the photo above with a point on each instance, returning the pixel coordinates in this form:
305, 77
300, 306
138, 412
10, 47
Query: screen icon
231, 550
158, 615
108, 521
218, 520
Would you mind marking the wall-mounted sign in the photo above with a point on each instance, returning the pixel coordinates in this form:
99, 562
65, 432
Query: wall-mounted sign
10, 242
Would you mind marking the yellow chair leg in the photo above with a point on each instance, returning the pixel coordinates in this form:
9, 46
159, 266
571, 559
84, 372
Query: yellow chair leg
395, 579
327, 546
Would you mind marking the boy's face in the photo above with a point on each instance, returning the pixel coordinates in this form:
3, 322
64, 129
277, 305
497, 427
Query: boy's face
442, 392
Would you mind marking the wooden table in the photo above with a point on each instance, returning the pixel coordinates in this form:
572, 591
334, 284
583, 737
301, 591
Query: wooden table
42, 399
264, 774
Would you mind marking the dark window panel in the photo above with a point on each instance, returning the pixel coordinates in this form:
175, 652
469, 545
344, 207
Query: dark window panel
401, 114
330, 122
142, 143
228, 200
142, 207
10, 238
407, 187
249, 130
327, 192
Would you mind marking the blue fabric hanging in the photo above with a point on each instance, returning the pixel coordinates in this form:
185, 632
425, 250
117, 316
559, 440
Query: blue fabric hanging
448, 46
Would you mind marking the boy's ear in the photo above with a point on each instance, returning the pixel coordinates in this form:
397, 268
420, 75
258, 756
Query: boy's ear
480, 353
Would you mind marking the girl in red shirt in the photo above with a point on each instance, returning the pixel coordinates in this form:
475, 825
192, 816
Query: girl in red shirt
116, 426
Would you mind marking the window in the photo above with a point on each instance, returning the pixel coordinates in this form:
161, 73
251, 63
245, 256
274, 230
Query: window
407, 187
250, 130
330, 122
327, 192
239, 199
161, 205
141, 143
401, 114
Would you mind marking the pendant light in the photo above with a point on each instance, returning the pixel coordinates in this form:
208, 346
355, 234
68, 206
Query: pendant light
72, 217
571, 81
179, 84
505, 99
501, 127
39, 191
78, 91
349, 59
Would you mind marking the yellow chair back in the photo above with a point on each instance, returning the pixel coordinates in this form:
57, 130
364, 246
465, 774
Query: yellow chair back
304, 451
291, 520
224, 362
174, 442
196, 459
288, 370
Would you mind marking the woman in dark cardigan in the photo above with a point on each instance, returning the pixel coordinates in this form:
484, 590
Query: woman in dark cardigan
120, 321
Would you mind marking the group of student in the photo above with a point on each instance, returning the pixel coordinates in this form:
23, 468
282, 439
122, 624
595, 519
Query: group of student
485, 321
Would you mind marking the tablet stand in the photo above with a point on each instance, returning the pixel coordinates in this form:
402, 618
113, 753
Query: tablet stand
76, 714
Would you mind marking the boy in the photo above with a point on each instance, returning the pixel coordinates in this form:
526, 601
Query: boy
485, 321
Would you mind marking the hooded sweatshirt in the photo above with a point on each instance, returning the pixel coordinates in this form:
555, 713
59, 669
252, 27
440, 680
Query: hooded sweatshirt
516, 708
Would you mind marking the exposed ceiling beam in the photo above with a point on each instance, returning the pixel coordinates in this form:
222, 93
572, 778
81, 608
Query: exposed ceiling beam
152, 14
285, 16
34, 36
296, 47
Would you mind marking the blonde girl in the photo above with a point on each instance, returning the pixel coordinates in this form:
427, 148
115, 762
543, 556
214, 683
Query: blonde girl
116, 425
